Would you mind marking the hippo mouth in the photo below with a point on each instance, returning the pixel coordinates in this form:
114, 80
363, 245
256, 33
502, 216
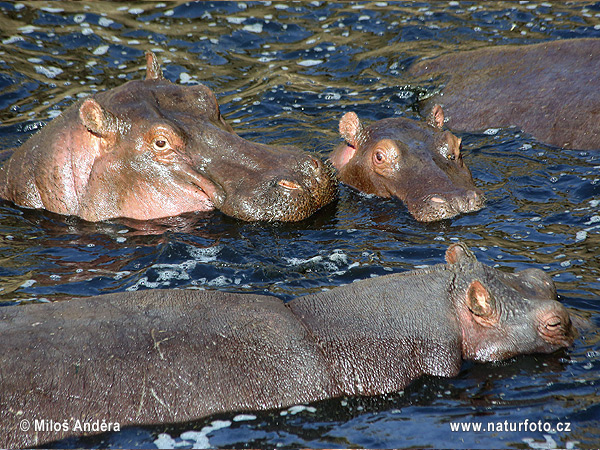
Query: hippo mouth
202, 189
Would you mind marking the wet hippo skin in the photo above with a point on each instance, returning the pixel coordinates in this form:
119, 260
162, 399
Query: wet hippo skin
416, 162
151, 149
159, 356
550, 90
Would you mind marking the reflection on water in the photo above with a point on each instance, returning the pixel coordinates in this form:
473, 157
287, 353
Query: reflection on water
285, 74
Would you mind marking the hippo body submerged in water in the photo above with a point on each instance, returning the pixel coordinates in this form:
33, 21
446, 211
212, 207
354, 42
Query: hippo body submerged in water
151, 149
414, 161
550, 90
159, 356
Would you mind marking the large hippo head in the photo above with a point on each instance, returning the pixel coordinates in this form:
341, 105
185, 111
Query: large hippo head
418, 163
503, 314
150, 149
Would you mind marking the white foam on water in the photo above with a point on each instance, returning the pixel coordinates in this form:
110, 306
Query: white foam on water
221, 280
310, 62
27, 29
206, 254
236, 20
49, 9
244, 417
28, 283
255, 28
100, 50
197, 439
549, 443
12, 40
48, 71
293, 410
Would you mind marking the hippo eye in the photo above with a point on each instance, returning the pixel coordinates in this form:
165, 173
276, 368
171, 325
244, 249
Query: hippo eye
553, 324
379, 157
160, 144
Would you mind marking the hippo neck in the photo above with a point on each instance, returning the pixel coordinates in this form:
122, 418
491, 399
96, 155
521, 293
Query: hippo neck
377, 336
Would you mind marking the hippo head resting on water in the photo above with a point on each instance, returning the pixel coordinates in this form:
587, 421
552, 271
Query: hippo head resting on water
150, 149
502, 314
418, 163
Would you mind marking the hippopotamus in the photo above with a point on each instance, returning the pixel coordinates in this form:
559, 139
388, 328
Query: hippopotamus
417, 162
151, 149
549, 90
157, 356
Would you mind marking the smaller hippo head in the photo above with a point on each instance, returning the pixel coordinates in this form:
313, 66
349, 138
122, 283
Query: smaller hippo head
502, 314
416, 162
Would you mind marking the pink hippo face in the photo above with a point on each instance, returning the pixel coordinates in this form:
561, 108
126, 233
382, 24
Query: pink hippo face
150, 149
415, 162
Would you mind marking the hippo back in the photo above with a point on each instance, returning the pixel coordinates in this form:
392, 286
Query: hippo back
380, 334
150, 357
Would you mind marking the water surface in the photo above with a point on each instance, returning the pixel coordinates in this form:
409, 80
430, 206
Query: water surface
285, 73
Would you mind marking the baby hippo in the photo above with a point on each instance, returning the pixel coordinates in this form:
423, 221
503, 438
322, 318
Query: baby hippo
419, 163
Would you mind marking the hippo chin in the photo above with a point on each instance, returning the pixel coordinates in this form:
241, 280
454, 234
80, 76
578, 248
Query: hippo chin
416, 162
159, 356
548, 89
151, 149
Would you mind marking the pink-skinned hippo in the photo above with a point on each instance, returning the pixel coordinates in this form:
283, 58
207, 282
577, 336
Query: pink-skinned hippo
549, 90
164, 356
417, 162
152, 149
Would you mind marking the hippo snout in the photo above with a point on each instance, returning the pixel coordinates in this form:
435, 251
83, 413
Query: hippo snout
307, 172
285, 194
446, 205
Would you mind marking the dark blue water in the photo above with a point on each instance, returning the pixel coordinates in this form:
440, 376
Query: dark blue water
285, 74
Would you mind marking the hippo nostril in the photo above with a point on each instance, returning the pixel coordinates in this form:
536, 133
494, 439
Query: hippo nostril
290, 185
437, 199
472, 199
316, 164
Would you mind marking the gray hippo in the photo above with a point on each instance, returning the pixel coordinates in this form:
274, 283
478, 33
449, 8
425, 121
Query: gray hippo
159, 356
550, 90
419, 163
151, 149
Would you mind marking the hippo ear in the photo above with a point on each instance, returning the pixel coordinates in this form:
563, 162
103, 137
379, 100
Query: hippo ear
153, 70
458, 253
96, 119
350, 128
436, 117
481, 304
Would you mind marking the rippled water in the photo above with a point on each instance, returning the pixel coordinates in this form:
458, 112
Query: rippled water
285, 73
